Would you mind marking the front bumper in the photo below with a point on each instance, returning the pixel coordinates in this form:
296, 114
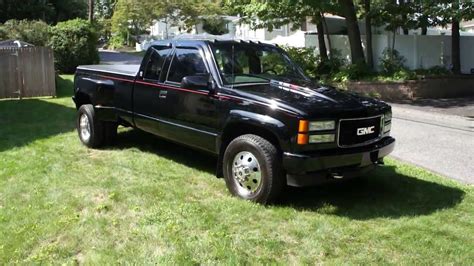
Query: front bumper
324, 166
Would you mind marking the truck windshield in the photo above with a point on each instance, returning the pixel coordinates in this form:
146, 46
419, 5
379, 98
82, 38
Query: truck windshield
241, 63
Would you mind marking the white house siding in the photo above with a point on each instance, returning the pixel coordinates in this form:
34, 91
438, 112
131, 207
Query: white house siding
419, 51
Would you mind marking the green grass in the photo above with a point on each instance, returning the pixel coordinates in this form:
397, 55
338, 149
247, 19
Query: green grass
146, 200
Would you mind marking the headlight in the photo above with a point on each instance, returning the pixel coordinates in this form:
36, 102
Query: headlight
322, 138
388, 116
387, 127
322, 125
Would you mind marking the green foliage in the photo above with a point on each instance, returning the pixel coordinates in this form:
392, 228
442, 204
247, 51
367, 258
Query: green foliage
313, 65
74, 43
305, 58
35, 32
352, 72
332, 65
3, 33
133, 17
215, 25
51, 11
434, 71
392, 61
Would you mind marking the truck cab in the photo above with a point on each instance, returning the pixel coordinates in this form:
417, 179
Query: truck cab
247, 103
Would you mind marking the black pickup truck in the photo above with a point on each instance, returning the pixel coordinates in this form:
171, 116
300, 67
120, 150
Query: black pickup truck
248, 103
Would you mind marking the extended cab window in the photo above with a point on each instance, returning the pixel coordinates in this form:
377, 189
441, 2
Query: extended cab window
186, 62
155, 63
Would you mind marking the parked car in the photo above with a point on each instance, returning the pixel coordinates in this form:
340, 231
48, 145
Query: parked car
247, 103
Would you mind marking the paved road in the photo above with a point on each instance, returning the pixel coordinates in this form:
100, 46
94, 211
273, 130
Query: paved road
116, 58
432, 137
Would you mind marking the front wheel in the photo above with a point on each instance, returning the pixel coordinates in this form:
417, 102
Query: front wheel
252, 169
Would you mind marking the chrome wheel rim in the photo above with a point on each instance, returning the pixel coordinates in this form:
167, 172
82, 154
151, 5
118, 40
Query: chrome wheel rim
246, 172
84, 128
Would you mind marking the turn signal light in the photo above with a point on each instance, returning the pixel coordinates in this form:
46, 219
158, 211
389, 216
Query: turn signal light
303, 139
303, 126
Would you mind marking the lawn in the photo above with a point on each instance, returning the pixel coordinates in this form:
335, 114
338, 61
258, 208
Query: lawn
146, 200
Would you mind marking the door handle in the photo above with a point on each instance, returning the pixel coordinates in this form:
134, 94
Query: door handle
163, 94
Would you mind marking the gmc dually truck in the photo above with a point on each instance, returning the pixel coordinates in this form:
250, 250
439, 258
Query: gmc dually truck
248, 103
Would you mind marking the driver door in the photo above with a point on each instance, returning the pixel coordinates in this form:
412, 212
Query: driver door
192, 113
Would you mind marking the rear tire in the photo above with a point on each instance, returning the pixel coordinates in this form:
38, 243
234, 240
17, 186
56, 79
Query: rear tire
89, 128
252, 169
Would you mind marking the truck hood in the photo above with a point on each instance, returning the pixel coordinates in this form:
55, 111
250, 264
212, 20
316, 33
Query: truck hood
314, 100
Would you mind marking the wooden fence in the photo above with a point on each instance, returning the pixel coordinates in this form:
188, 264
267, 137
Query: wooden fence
27, 72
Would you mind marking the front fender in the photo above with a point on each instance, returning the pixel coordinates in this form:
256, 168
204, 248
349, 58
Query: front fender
260, 121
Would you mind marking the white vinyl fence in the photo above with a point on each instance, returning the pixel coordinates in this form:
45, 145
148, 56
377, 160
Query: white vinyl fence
419, 51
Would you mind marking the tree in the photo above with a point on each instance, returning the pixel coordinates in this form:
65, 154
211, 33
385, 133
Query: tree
446, 12
353, 31
91, 11
273, 14
132, 17
50, 11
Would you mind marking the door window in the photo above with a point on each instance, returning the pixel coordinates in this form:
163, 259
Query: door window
186, 62
155, 64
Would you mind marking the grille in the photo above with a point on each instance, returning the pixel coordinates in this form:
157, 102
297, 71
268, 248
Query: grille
354, 132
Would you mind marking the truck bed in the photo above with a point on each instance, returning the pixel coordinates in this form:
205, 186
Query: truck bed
125, 70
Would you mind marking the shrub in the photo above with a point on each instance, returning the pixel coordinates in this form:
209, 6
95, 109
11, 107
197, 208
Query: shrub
392, 61
312, 64
434, 71
352, 72
74, 43
3, 33
333, 65
35, 32
305, 58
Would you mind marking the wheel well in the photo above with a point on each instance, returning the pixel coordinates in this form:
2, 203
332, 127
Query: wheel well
238, 129
81, 99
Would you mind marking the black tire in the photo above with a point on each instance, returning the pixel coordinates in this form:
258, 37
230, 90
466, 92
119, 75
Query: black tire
95, 138
271, 176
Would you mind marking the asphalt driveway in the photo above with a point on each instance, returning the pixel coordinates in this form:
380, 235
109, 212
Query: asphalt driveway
437, 135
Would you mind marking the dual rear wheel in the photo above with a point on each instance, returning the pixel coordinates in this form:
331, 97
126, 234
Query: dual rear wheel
92, 132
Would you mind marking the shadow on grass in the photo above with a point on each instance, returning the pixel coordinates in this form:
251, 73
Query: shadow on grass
181, 154
25, 121
382, 193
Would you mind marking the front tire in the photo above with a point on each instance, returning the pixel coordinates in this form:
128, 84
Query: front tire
252, 169
89, 128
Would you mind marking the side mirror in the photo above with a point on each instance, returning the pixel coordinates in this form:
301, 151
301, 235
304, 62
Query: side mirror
199, 82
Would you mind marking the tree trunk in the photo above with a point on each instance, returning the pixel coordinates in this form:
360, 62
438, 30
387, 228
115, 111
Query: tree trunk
404, 17
368, 35
323, 52
353, 31
91, 11
456, 47
328, 34
424, 30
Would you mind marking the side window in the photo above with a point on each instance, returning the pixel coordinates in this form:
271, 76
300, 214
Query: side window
186, 62
154, 67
